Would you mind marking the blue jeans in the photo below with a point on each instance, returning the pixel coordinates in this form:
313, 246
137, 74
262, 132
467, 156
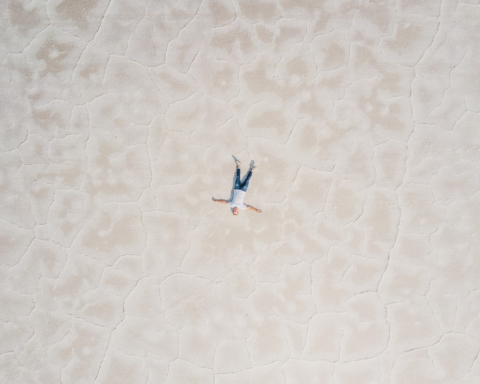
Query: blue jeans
238, 184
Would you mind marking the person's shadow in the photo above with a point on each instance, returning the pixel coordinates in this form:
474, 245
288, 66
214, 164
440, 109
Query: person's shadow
235, 176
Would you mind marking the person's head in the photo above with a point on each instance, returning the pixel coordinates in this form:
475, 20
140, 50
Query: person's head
235, 211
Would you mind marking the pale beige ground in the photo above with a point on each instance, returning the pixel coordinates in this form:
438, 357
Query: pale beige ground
119, 122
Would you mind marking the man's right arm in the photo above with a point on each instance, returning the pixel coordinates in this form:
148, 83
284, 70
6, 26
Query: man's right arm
219, 201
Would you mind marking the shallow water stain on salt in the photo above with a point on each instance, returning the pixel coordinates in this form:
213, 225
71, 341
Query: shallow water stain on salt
119, 123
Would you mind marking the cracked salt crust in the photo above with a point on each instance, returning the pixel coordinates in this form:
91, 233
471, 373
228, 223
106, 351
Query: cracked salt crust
119, 121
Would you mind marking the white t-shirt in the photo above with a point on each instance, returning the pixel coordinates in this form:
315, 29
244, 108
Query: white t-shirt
237, 200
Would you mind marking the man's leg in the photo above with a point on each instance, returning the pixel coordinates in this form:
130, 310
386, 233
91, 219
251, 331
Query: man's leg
237, 179
244, 186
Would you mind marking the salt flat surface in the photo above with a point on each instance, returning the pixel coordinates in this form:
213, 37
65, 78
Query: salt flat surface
119, 119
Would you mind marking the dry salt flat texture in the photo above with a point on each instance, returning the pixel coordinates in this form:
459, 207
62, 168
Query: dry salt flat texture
119, 122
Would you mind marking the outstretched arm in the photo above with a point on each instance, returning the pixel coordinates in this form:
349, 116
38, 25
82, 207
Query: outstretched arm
219, 201
250, 208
